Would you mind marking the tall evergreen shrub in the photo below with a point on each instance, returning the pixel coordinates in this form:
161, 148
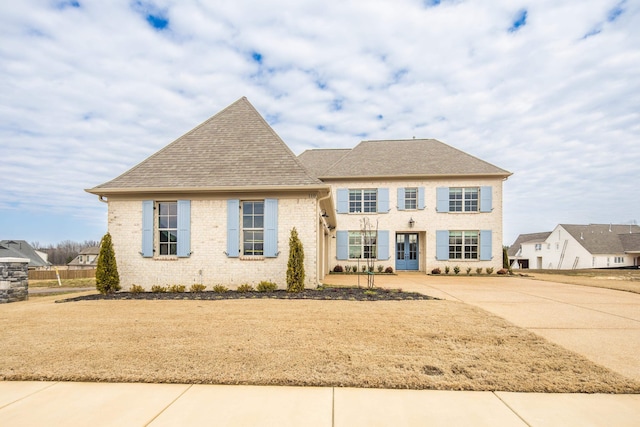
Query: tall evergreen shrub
505, 258
107, 278
295, 266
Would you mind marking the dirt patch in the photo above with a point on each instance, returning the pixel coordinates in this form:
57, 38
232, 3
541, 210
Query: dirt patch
431, 344
622, 280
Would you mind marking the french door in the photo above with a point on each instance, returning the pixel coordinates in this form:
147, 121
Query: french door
407, 251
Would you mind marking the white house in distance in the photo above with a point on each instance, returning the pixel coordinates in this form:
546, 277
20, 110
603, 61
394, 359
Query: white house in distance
218, 204
577, 247
86, 259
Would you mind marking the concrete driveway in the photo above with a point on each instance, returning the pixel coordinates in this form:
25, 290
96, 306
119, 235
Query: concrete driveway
601, 324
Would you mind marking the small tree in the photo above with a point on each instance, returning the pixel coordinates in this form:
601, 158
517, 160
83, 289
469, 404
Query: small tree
295, 266
505, 258
107, 279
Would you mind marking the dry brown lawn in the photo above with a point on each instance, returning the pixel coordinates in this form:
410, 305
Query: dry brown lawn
622, 280
392, 344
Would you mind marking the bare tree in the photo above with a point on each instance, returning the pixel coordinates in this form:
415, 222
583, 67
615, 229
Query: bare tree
369, 236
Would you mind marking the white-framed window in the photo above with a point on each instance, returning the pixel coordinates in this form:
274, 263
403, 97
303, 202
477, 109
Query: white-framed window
538, 246
463, 245
463, 199
410, 198
363, 200
167, 227
362, 244
619, 260
253, 228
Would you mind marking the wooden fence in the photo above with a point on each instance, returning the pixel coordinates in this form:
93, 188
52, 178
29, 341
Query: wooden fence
64, 274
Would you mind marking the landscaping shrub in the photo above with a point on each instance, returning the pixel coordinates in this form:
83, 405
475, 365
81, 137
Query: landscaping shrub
295, 265
197, 287
456, 269
502, 271
364, 268
338, 269
158, 289
436, 271
468, 271
489, 270
266, 286
176, 288
380, 268
136, 289
479, 271
244, 288
354, 268
447, 270
388, 269
107, 278
220, 289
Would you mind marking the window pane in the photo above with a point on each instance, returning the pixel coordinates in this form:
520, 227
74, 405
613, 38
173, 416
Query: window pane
173, 222
247, 208
247, 221
258, 208
258, 222
164, 249
164, 236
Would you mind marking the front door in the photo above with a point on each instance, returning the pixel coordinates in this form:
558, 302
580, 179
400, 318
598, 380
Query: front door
407, 251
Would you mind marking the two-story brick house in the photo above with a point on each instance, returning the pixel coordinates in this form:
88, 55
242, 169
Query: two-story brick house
432, 205
218, 204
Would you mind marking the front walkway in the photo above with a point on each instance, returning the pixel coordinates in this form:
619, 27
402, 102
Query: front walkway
102, 404
601, 324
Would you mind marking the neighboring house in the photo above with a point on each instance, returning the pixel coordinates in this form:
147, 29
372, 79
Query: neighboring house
22, 249
578, 246
218, 204
86, 259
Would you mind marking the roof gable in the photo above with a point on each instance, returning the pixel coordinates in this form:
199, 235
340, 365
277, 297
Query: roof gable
527, 238
413, 157
601, 238
235, 148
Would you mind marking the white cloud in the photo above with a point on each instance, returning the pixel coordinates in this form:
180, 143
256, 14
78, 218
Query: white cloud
87, 92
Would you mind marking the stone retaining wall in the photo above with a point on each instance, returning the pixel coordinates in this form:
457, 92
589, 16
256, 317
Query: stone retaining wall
14, 279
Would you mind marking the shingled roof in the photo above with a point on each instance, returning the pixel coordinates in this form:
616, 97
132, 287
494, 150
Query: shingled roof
234, 149
602, 238
527, 238
407, 158
317, 161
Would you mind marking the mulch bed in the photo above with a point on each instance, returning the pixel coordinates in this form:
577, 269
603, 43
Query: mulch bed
346, 294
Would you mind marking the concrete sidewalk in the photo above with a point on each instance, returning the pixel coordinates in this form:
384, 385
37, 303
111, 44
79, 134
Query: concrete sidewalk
600, 324
106, 404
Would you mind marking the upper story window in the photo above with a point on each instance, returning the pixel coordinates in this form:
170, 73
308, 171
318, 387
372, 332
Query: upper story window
463, 199
167, 228
538, 246
363, 201
253, 228
410, 198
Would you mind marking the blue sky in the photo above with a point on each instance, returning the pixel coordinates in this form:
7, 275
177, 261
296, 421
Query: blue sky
549, 90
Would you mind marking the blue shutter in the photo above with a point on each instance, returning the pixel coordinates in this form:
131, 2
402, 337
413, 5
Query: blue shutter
485, 245
271, 228
442, 245
184, 228
383, 200
343, 200
233, 228
421, 198
401, 199
383, 244
147, 228
486, 199
442, 199
342, 245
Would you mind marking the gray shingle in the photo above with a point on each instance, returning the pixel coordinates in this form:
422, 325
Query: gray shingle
601, 238
234, 148
412, 157
317, 161
527, 238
